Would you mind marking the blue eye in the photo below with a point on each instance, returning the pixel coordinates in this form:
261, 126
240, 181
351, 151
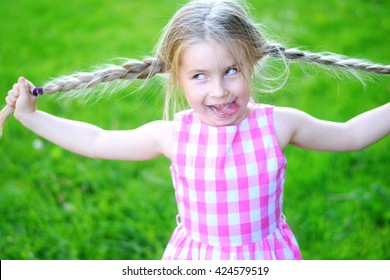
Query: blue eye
231, 71
199, 77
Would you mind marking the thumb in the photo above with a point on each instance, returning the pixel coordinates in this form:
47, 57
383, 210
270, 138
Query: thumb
25, 88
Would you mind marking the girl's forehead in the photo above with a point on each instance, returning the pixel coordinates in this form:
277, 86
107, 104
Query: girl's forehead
204, 52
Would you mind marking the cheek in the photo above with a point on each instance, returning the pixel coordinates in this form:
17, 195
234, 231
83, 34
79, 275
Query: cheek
192, 96
196, 92
241, 88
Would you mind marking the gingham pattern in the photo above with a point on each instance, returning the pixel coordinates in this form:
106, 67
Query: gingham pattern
229, 189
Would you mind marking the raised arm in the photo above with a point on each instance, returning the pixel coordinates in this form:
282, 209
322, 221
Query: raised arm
302, 130
148, 141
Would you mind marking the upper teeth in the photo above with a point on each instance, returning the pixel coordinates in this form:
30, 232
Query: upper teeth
220, 106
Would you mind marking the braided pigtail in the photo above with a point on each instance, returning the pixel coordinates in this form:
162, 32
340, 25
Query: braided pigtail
293, 54
81, 83
130, 71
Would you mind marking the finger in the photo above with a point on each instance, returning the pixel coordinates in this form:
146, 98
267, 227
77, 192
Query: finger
15, 90
11, 95
10, 102
23, 88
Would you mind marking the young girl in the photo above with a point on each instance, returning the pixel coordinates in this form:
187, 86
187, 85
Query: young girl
226, 152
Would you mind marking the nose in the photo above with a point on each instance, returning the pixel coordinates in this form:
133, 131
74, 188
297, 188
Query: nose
218, 89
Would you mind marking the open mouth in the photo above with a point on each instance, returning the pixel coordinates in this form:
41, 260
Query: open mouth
224, 110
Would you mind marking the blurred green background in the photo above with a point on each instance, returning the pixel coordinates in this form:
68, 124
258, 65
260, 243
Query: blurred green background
57, 205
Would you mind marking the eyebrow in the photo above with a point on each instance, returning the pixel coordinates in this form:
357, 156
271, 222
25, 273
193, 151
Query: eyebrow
196, 71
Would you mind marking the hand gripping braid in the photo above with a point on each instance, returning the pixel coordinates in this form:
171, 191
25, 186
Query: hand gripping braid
130, 70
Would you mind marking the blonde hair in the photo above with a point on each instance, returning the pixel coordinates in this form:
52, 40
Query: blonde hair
224, 23
220, 22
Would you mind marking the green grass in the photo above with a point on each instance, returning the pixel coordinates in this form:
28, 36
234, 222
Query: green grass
57, 205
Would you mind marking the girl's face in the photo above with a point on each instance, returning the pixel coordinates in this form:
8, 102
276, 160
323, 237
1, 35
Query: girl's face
214, 84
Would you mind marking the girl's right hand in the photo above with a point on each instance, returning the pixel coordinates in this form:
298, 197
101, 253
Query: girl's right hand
20, 99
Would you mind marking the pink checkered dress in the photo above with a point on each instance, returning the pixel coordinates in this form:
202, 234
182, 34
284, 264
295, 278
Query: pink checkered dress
229, 190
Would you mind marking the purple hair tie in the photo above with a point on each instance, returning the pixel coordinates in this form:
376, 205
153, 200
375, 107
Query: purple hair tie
37, 90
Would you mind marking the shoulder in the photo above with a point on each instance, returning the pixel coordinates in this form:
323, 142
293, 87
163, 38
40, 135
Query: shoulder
286, 112
291, 116
161, 126
163, 133
286, 121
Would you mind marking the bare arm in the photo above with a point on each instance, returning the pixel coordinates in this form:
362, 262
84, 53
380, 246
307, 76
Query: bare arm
146, 142
300, 129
